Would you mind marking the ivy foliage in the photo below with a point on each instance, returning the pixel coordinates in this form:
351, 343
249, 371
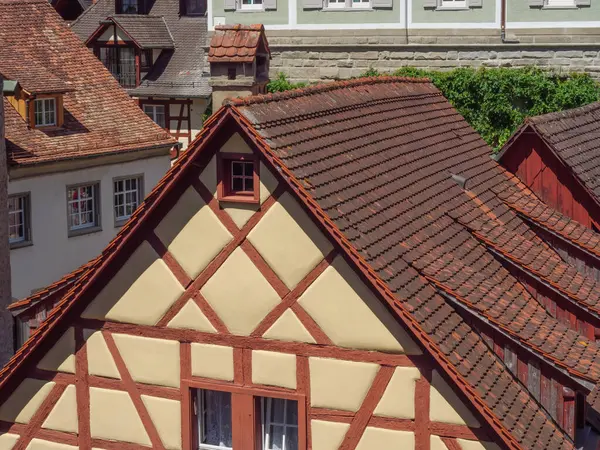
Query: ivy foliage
281, 83
496, 101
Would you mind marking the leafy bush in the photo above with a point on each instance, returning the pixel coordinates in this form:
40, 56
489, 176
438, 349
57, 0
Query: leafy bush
496, 101
281, 83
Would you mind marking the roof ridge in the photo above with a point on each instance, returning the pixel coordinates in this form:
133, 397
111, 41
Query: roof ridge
322, 87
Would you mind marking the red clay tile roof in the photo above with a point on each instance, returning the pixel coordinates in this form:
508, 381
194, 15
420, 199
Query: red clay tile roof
574, 137
236, 43
359, 145
32, 35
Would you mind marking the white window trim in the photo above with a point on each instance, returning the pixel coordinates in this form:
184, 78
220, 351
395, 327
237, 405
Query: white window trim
152, 110
560, 4
88, 227
348, 5
42, 102
25, 214
139, 190
252, 7
266, 404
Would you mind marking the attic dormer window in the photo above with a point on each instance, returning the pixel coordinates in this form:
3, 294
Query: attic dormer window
238, 178
45, 112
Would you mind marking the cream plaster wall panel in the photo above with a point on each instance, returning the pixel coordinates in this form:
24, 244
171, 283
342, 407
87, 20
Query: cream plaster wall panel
25, 400
61, 357
113, 416
192, 233
191, 317
337, 384
240, 213
327, 435
289, 328
289, 241
476, 445
365, 324
8, 441
436, 443
141, 292
208, 177
239, 294
100, 361
212, 361
149, 360
166, 416
63, 416
446, 407
268, 182
236, 144
399, 397
39, 444
378, 438
274, 369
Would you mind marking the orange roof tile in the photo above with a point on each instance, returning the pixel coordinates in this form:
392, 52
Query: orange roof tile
237, 43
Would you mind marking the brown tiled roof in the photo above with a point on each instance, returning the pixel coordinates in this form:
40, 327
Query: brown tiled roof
574, 137
95, 106
358, 145
177, 73
146, 31
236, 43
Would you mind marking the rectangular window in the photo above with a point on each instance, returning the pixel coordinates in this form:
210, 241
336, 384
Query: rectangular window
533, 379
45, 112
214, 420
120, 62
129, 7
194, 7
336, 3
156, 113
279, 424
237, 177
274, 419
146, 60
127, 197
83, 207
361, 3
252, 4
510, 359
561, 3
18, 219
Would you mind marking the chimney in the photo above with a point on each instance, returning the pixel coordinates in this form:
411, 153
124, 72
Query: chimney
240, 70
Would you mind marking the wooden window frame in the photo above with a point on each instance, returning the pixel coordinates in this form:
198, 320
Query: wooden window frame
58, 111
26, 215
245, 412
225, 192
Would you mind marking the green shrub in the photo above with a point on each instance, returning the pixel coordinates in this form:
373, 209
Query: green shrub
496, 101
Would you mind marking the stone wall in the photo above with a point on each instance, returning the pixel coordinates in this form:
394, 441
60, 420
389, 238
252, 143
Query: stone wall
312, 63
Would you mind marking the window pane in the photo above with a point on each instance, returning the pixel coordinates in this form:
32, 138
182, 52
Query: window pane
248, 169
237, 184
236, 168
214, 417
279, 424
249, 184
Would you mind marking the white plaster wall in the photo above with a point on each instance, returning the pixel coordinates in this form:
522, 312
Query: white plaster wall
197, 109
54, 253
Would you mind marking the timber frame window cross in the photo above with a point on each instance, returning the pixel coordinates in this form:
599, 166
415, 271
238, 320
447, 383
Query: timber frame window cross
237, 177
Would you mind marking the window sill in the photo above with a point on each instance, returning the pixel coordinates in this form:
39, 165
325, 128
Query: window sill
15, 245
347, 9
47, 127
560, 7
250, 10
239, 199
84, 231
119, 223
452, 8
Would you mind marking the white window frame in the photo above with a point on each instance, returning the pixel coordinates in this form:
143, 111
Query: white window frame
21, 212
200, 404
95, 198
253, 5
349, 4
560, 4
151, 111
40, 106
138, 191
266, 405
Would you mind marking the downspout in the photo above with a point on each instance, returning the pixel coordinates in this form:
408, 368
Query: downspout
406, 20
503, 37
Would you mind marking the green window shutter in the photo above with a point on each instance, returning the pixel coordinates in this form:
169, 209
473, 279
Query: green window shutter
381, 3
535, 3
583, 2
230, 4
312, 4
430, 3
270, 4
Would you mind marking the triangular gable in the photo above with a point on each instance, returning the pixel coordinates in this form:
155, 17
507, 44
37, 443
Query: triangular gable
139, 246
105, 26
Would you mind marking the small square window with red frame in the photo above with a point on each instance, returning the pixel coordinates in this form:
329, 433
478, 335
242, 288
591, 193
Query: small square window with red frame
238, 178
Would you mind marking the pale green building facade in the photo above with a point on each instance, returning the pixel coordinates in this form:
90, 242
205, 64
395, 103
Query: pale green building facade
330, 39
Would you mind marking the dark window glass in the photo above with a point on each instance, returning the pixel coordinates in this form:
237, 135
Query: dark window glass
195, 7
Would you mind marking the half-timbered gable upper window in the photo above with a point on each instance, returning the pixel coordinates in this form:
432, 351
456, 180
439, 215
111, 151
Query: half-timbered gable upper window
156, 113
120, 62
275, 419
238, 177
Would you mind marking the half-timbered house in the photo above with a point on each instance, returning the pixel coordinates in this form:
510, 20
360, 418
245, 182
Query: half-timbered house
155, 49
340, 266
